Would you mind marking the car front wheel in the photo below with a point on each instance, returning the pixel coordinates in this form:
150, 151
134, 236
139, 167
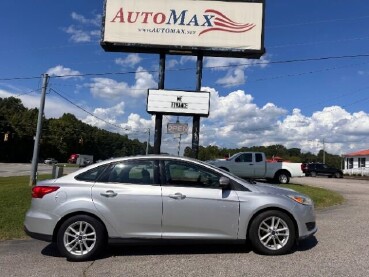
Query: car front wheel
81, 238
272, 233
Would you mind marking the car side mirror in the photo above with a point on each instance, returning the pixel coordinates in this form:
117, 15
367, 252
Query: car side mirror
224, 182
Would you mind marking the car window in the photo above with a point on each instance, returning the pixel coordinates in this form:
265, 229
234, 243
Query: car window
91, 175
258, 157
188, 175
245, 158
131, 172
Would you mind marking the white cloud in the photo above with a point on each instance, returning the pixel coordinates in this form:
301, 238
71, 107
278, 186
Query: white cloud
235, 68
171, 63
96, 21
233, 77
110, 89
86, 30
55, 107
131, 60
235, 121
106, 117
60, 70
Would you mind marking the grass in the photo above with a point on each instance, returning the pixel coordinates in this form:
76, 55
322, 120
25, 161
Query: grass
15, 199
322, 198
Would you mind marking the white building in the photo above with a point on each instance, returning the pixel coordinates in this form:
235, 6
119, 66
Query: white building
357, 163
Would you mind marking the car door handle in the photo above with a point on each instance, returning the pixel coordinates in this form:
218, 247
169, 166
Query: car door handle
177, 195
109, 193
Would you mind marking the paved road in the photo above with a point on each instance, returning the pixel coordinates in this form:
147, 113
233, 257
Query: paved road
16, 169
341, 248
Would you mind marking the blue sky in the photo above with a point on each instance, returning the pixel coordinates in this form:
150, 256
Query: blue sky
297, 95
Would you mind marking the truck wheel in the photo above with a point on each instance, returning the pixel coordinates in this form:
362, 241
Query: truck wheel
337, 175
313, 174
282, 177
272, 233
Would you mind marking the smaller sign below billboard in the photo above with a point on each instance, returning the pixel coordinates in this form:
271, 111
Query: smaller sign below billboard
178, 102
177, 128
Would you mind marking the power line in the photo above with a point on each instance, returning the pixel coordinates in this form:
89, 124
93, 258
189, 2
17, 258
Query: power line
93, 115
79, 107
192, 68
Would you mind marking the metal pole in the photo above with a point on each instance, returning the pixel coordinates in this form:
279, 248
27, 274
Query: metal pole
179, 143
323, 151
148, 141
159, 116
36, 148
196, 118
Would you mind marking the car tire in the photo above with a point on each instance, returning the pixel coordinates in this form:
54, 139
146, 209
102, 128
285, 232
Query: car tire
81, 238
313, 174
338, 175
282, 177
272, 233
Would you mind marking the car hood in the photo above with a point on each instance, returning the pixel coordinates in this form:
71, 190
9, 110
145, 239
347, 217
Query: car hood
272, 189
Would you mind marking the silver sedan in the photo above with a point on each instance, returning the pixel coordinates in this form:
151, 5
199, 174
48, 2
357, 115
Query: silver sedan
164, 198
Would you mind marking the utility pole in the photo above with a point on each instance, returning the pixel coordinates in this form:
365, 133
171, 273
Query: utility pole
196, 118
148, 141
159, 116
323, 151
36, 148
179, 144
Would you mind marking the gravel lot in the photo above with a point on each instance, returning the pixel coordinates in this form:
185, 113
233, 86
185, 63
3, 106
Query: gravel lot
340, 248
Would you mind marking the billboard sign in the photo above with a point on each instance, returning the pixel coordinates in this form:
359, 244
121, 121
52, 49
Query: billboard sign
177, 128
178, 102
214, 28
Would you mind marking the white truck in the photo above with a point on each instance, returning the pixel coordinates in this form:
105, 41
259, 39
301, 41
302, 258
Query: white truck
254, 165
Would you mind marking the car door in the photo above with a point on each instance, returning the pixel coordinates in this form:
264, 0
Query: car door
243, 165
128, 196
259, 166
194, 206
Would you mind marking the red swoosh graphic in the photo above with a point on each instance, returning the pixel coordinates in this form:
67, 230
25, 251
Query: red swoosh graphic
225, 24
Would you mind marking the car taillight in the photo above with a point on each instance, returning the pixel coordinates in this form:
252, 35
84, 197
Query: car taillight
41, 191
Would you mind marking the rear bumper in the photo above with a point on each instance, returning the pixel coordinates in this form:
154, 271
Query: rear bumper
43, 237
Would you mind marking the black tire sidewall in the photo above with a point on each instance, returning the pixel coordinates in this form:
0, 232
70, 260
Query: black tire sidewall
100, 238
286, 177
254, 239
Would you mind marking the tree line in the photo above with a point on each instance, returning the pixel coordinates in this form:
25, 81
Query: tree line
60, 137
66, 135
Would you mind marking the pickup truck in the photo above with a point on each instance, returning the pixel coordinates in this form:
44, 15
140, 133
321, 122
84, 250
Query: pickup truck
254, 165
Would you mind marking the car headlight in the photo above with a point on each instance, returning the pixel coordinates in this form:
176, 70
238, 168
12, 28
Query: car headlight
301, 199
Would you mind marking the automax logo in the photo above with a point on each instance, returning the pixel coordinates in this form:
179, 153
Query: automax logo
211, 20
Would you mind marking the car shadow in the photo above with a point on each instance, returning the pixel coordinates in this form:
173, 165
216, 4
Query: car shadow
159, 249
128, 250
307, 244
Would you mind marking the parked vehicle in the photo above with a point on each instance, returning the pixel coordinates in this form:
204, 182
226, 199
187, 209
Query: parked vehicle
50, 161
254, 165
81, 159
315, 169
161, 198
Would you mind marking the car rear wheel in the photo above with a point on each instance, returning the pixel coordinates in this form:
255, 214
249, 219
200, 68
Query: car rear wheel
313, 174
272, 233
81, 238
